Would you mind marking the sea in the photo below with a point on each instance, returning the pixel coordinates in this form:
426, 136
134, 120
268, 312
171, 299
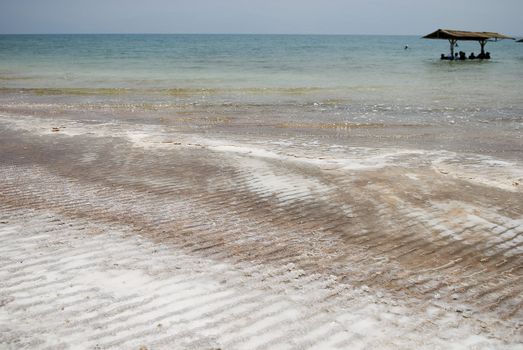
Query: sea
266, 78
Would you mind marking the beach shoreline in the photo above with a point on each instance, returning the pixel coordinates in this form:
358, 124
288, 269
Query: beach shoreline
213, 233
259, 192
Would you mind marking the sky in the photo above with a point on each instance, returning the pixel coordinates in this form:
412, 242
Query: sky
401, 17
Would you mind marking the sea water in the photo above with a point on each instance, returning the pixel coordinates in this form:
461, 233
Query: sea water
371, 78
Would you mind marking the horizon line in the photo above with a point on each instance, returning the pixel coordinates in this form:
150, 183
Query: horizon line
202, 33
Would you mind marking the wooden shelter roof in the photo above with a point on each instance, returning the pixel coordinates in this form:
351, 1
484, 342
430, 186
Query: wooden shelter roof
464, 35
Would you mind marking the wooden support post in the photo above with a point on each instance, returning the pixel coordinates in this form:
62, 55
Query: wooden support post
482, 43
452, 45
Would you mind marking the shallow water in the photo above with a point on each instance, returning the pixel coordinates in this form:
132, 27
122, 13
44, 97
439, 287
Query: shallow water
361, 67
293, 81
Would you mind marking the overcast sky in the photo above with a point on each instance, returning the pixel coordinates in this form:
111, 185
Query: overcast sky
259, 16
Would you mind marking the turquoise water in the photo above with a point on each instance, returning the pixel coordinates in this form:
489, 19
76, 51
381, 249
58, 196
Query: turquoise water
357, 72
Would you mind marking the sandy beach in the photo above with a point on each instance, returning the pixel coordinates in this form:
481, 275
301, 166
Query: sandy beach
198, 231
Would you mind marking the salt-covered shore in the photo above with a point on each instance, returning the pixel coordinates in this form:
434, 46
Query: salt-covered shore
130, 235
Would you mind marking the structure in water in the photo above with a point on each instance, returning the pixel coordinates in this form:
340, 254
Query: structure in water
454, 35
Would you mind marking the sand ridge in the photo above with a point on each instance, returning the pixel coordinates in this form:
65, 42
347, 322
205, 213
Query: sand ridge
121, 235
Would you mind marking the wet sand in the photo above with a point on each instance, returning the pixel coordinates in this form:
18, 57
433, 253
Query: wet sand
221, 232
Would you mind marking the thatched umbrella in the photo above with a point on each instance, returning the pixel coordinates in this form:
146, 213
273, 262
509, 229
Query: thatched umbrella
454, 35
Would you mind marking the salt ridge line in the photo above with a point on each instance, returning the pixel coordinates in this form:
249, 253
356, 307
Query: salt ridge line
243, 341
160, 138
150, 199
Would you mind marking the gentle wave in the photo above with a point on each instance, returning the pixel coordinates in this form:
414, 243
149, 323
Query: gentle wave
168, 91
